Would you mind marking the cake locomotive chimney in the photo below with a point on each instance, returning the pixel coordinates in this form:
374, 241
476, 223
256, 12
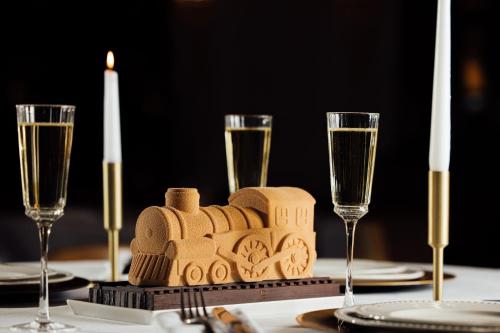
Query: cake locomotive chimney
184, 199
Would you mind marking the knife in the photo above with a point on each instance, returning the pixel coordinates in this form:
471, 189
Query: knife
235, 324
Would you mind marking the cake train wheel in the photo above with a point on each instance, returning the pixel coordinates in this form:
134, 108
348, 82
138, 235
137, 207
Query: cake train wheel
299, 259
252, 250
220, 271
193, 274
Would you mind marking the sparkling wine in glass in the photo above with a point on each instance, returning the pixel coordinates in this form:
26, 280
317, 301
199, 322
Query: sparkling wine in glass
352, 143
248, 144
45, 135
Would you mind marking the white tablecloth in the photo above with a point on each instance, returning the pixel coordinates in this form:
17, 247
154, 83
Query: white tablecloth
470, 283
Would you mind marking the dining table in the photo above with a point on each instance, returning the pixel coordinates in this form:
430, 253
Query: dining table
469, 283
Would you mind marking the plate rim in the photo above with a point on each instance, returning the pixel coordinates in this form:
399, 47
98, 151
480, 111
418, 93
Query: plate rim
346, 314
425, 280
384, 266
448, 303
58, 277
300, 319
55, 287
27, 276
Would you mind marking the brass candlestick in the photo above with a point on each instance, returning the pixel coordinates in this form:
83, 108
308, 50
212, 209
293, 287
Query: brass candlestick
112, 183
439, 207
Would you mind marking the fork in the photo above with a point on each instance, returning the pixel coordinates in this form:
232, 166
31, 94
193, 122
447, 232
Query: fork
188, 316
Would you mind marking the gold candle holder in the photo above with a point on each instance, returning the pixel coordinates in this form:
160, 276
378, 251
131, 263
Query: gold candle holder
112, 189
439, 208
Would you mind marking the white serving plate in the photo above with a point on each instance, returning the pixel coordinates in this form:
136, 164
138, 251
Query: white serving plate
13, 272
54, 277
367, 270
147, 317
466, 316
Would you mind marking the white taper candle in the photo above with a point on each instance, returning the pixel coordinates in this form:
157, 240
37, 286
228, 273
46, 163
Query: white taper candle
112, 135
439, 152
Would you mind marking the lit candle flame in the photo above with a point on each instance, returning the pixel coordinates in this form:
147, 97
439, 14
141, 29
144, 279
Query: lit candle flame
110, 60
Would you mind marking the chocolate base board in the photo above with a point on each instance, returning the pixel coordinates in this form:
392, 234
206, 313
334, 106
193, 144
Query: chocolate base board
161, 298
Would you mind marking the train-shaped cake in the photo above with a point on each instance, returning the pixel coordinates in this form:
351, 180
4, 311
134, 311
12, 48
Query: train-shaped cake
264, 233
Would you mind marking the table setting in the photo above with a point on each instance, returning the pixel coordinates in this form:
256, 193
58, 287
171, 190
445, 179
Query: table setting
470, 283
248, 264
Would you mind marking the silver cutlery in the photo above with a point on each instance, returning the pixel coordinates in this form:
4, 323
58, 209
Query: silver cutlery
237, 322
190, 317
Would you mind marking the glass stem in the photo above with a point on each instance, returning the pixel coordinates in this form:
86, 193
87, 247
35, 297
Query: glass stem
43, 306
350, 228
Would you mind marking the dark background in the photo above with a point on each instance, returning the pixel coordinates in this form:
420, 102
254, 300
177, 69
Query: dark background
184, 64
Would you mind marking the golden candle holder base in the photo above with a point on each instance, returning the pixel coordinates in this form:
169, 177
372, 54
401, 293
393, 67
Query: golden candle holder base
439, 207
112, 189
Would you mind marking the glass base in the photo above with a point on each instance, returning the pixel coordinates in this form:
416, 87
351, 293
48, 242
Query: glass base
348, 300
49, 327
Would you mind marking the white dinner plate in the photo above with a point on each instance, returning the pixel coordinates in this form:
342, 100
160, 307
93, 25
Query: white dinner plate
13, 272
16, 275
468, 316
57, 278
367, 270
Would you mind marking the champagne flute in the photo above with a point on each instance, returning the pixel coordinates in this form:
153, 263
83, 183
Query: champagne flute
248, 144
45, 135
352, 143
